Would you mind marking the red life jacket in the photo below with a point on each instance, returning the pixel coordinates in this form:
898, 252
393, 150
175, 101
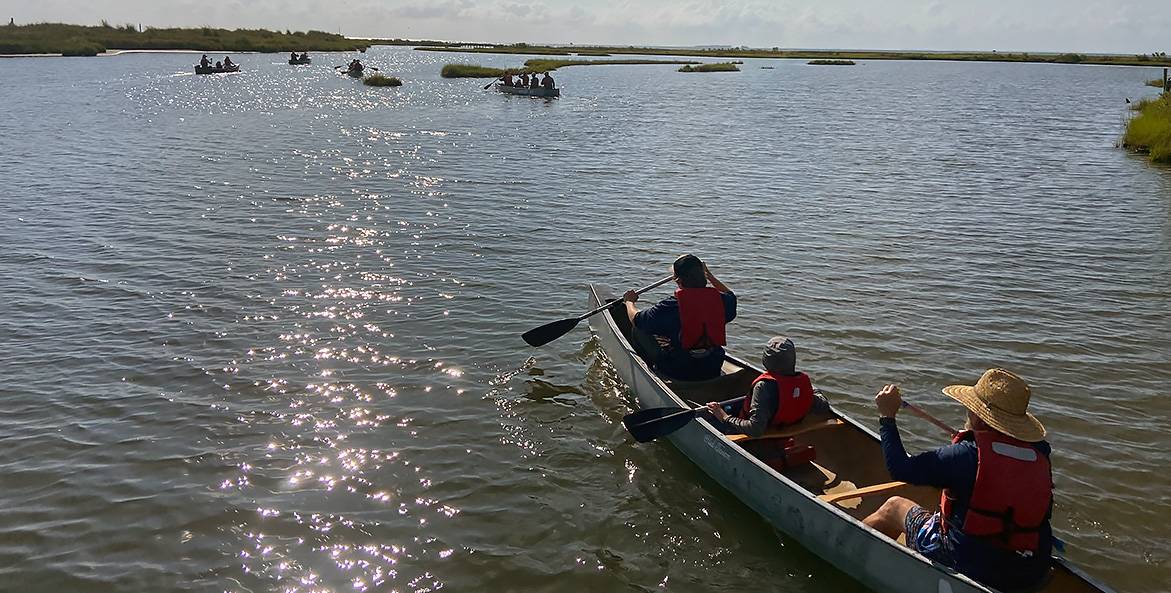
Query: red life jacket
1012, 495
701, 315
795, 397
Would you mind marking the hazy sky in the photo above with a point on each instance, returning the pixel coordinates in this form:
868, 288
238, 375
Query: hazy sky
1084, 26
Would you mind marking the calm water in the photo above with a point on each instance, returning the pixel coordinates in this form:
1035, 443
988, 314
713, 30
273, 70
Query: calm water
261, 332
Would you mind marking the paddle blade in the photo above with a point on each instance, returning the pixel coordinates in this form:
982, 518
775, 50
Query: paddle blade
549, 332
648, 425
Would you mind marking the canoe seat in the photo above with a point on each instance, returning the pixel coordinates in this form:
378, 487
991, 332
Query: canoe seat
788, 431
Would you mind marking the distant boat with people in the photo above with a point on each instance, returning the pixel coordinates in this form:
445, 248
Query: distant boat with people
296, 60
217, 69
528, 91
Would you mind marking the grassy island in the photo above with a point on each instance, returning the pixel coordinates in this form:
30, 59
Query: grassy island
720, 67
381, 80
831, 62
470, 71
78, 40
538, 65
1149, 131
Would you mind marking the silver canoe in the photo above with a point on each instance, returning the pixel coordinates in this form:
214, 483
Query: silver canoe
811, 503
531, 92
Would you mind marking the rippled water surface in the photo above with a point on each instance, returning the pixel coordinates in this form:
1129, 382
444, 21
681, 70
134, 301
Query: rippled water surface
261, 331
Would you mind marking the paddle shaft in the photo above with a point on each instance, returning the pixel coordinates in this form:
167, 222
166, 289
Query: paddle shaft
639, 291
681, 412
928, 417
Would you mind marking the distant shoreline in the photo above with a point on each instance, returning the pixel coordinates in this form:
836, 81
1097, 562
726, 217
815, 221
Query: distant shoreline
56, 39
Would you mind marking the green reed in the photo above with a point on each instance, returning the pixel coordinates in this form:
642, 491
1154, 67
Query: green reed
58, 38
381, 80
831, 62
718, 67
470, 71
1149, 131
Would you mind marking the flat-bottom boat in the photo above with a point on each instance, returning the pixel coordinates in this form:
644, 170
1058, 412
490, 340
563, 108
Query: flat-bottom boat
299, 61
820, 504
355, 72
214, 70
529, 91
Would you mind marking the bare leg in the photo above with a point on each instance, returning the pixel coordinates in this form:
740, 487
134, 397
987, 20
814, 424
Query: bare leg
891, 517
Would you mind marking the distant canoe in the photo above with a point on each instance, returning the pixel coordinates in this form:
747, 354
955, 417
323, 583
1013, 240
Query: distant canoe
214, 70
355, 72
531, 92
300, 61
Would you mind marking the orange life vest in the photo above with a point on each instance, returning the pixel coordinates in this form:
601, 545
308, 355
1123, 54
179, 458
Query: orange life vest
794, 394
1012, 495
701, 317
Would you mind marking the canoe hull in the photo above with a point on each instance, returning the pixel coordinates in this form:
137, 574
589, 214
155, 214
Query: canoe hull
214, 70
299, 62
530, 92
825, 529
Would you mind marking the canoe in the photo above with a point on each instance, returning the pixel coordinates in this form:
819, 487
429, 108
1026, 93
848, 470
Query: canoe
819, 504
531, 92
214, 70
299, 61
356, 72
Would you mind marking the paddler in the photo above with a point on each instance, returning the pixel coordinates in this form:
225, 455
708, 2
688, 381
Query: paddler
997, 500
685, 332
780, 396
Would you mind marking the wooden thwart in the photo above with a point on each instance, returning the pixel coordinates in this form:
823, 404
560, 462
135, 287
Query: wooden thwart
787, 432
863, 492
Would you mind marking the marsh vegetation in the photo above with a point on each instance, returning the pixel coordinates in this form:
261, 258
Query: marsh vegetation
831, 62
78, 40
1149, 131
381, 80
718, 67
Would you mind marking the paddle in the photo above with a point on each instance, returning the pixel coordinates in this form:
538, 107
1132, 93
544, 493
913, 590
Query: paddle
648, 425
928, 417
551, 331
492, 83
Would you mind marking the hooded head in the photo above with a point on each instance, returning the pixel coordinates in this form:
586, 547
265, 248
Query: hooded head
780, 356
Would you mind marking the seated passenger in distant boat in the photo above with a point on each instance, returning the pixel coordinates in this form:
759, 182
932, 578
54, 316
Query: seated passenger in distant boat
228, 62
547, 82
305, 55
507, 78
780, 396
204, 62
293, 55
219, 66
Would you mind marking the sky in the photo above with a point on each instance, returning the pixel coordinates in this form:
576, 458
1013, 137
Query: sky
1080, 26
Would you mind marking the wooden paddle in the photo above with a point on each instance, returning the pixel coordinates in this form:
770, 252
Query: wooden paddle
648, 425
492, 83
551, 331
928, 417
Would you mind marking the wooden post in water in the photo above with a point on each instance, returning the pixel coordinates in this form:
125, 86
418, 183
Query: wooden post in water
1166, 83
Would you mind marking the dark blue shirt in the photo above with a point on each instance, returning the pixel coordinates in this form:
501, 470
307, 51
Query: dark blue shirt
953, 467
673, 361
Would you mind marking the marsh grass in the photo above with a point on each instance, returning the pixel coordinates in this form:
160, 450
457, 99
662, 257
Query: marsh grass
831, 62
719, 67
470, 71
1150, 130
381, 80
1155, 82
542, 65
57, 38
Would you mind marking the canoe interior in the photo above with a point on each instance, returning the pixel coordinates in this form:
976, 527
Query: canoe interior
848, 456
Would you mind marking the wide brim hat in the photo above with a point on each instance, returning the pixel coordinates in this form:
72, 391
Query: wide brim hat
1001, 400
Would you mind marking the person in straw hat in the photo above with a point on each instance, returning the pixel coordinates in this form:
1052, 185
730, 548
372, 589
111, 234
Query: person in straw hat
685, 333
993, 521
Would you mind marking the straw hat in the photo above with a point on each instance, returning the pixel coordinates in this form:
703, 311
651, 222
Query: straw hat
1001, 400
